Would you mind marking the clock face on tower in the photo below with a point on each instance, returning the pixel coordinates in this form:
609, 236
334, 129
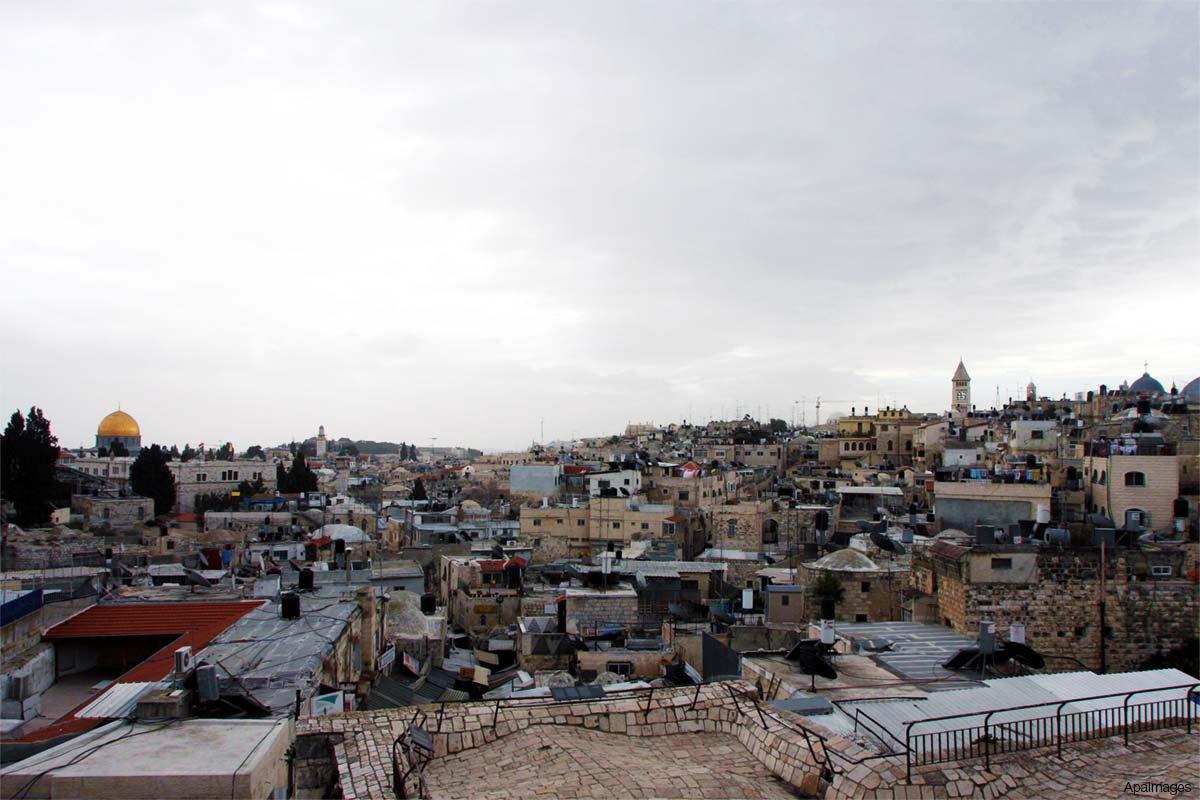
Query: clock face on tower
961, 395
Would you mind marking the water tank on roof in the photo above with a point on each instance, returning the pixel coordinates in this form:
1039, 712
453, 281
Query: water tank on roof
207, 687
307, 580
1059, 536
289, 605
1043, 513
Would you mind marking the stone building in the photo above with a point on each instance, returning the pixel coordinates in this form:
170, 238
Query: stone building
689, 485
117, 513
871, 588
1135, 488
195, 478
1150, 598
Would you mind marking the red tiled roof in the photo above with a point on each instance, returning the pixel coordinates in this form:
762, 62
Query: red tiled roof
576, 469
491, 565
194, 624
676, 518
151, 619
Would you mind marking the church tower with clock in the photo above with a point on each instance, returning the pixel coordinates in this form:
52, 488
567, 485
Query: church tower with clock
960, 391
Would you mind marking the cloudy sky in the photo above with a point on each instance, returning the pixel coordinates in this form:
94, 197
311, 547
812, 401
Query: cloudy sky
407, 220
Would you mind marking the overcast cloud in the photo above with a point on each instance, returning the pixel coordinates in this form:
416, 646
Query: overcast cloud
404, 220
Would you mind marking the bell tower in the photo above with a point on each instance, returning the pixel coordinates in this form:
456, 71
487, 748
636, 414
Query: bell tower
960, 391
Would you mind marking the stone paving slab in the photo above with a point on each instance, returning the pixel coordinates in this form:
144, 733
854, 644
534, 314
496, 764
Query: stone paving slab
572, 762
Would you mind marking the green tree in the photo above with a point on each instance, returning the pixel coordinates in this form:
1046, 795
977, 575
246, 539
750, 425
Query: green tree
827, 585
225, 452
28, 459
283, 481
412, 452
213, 501
173, 453
188, 453
418, 490
118, 449
349, 449
300, 477
778, 425
151, 477
254, 451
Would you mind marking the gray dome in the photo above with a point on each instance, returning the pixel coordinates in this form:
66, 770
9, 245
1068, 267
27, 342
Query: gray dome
1191, 392
1147, 385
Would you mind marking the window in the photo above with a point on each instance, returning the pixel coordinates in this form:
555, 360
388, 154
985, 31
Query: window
645, 526
616, 526
537, 523
1135, 479
1001, 563
620, 667
860, 617
683, 496
141, 512
889, 446
866, 586
1161, 570
170, 544
579, 523
627, 481
1103, 477
1037, 434
483, 619
784, 600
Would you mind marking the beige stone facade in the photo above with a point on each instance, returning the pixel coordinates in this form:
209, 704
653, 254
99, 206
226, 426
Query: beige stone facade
1133, 489
1150, 606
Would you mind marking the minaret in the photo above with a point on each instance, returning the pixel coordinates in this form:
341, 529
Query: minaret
1031, 392
321, 442
960, 391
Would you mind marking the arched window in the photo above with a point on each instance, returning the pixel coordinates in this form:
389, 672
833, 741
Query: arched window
1135, 479
1103, 477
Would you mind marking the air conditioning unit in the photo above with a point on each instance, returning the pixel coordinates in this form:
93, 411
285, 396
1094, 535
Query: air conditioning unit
183, 661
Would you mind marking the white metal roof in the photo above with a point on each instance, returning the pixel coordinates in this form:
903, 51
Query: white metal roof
119, 700
891, 490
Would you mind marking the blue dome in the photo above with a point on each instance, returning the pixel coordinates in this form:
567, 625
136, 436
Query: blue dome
1191, 392
1146, 385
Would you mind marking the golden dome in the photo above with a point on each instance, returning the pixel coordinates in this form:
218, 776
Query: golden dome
118, 423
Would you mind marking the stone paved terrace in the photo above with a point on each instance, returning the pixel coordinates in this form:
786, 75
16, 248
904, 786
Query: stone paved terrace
550, 763
673, 743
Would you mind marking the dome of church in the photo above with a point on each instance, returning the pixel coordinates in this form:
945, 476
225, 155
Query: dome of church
118, 423
1191, 392
1146, 385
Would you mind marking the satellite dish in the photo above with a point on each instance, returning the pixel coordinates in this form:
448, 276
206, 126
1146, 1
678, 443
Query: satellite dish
885, 542
194, 578
808, 657
1024, 654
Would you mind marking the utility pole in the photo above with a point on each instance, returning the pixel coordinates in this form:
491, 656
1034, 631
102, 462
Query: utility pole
542, 435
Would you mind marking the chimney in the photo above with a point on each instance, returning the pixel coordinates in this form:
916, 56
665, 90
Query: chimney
366, 601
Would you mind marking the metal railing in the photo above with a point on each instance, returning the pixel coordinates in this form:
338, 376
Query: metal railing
1050, 729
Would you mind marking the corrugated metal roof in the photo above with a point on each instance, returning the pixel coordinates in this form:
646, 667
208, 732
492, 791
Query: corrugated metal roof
1003, 695
119, 701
